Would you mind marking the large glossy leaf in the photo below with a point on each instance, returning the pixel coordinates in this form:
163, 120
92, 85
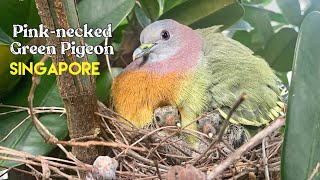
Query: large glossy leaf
245, 37
272, 15
26, 138
263, 2
18, 12
263, 30
142, 18
291, 10
205, 13
302, 143
314, 5
99, 13
4, 38
279, 50
151, 8
241, 25
169, 4
8, 81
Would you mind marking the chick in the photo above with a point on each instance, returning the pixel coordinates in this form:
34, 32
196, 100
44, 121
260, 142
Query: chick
211, 123
167, 116
236, 135
170, 116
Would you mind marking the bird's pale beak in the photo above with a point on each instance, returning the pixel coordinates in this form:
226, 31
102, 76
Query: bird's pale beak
178, 124
142, 50
209, 130
210, 135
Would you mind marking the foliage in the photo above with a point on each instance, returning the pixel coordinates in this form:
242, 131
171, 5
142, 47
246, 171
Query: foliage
26, 138
272, 35
301, 146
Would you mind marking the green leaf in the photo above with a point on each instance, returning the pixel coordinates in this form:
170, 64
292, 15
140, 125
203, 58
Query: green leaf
313, 6
18, 12
104, 82
143, 20
4, 38
244, 37
26, 138
291, 10
99, 13
161, 6
272, 15
302, 143
264, 2
206, 13
241, 25
263, 30
279, 50
169, 4
8, 81
151, 8
118, 33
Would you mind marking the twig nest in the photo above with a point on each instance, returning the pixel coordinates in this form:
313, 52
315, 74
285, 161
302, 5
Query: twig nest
188, 173
104, 168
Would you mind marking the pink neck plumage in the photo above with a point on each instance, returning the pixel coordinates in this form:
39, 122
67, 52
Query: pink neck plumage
185, 59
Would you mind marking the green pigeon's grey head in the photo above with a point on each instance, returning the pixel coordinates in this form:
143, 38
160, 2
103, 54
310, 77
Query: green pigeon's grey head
164, 41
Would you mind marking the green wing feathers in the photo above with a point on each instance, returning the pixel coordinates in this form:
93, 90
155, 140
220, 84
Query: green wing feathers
233, 70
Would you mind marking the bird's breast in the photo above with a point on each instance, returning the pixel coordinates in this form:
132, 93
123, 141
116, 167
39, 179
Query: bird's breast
136, 94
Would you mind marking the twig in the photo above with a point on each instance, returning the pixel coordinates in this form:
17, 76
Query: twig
108, 60
147, 135
15, 169
265, 159
142, 159
13, 106
315, 170
247, 146
37, 164
13, 111
36, 173
12, 130
242, 97
99, 143
156, 164
37, 110
35, 82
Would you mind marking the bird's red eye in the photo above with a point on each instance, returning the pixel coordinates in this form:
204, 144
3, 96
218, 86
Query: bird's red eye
165, 35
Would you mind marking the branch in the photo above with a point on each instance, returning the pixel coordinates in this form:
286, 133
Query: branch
246, 147
315, 170
265, 160
77, 91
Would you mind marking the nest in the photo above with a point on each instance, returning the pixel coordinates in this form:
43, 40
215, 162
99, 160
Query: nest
161, 149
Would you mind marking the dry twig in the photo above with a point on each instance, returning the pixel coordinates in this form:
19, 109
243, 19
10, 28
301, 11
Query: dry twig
315, 170
247, 146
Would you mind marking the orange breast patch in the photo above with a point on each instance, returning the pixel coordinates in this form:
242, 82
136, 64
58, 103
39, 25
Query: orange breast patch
137, 94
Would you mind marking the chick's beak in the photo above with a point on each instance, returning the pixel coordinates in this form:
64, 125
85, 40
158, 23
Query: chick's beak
178, 124
142, 50
209, 130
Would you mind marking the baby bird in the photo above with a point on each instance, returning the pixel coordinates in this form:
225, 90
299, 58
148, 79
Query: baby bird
170, 116
236, 135
167, 116
211, 123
